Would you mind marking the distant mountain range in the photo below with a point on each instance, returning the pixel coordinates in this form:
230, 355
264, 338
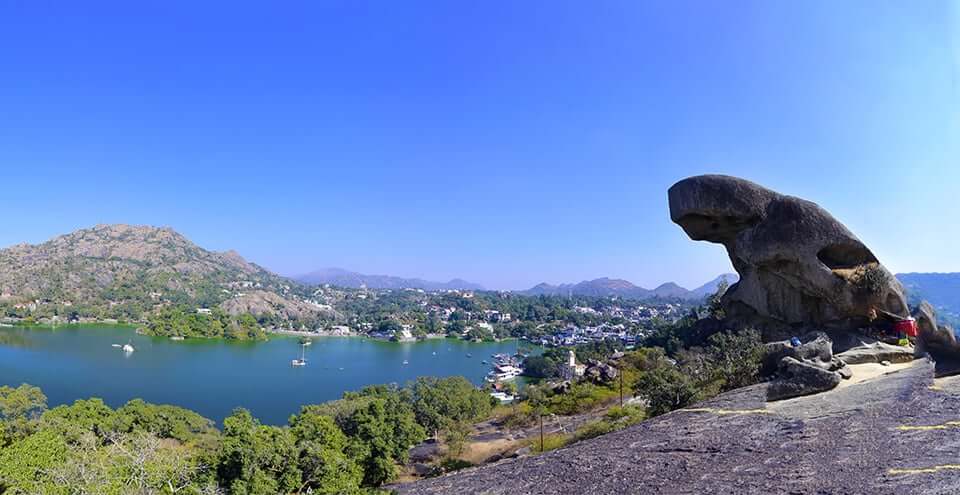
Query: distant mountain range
346, 278
942, 290
621, 288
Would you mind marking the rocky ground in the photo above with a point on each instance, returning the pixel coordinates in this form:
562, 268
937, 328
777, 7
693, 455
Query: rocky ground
894, 433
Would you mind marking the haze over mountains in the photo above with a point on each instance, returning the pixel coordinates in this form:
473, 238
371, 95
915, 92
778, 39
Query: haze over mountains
346, 278
621, 288
598, 287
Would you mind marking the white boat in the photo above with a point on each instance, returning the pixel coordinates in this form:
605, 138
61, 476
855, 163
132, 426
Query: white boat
504, 373
176, 337
406, 362
303, 359
117, 346
128, 348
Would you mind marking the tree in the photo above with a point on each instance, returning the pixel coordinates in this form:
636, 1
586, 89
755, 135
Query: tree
666, 389
81, 417
665, 386
383, 430
325, 466
23, 464
455, 435
735, 357
256, 459
715, 300
440, 402
20, 408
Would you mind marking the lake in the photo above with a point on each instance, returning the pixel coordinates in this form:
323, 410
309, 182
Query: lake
213, 377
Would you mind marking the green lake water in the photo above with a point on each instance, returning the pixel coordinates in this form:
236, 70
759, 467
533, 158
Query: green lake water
213, 377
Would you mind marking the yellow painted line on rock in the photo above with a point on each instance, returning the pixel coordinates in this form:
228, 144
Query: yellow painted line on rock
944, 426
926, 470
725, 412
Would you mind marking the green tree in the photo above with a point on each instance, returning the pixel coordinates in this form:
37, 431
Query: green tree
440, 402
24, 463
383, 430
256, 459
735, 357
323, 460
20, 408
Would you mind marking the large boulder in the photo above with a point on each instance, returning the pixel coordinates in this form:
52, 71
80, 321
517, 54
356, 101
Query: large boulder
932, 337
798, 266
801, 378
803, 369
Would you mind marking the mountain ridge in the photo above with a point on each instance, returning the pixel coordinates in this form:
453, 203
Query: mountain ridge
606, 286
346, 278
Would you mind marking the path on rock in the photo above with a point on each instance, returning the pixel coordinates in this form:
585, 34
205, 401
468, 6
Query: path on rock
895, 433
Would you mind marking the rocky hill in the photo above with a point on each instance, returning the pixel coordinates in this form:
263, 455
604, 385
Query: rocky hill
891, 434
125, 271
354, 280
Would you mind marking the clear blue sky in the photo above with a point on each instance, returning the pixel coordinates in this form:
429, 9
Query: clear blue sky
503, 142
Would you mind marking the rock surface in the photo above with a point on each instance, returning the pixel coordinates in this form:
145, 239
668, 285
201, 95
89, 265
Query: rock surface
600, 373
876, 352
933, 337
887, 435
798, 266
805, 369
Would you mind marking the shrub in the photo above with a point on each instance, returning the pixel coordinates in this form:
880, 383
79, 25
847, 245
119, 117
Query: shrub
594, 429
551, 441
735, 357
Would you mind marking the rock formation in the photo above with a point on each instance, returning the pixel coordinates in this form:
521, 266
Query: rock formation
804, 369
799, 267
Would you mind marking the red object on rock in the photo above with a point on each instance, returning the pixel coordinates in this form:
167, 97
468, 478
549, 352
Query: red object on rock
908, 327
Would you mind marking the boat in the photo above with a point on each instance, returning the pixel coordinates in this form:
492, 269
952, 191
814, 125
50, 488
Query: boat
469, 355
406, 362
305, 341
303, 358
177, 337
128, 348
484, 362
116, 345
504, 373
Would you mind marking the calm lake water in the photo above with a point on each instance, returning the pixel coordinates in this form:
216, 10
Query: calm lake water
212, 376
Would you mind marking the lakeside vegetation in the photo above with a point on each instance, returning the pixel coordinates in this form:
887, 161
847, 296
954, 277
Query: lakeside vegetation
355, 444
181, 322
351, 445
474, 315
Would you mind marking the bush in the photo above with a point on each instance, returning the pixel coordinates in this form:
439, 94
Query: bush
666, 389
552, 441
519, 416
594, 429
449, 466
735, 357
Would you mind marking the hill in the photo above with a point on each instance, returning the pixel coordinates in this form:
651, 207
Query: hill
603, 287
354, 280
127, 272
940, 289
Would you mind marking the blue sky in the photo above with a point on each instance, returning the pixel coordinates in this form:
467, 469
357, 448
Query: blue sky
507, 143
